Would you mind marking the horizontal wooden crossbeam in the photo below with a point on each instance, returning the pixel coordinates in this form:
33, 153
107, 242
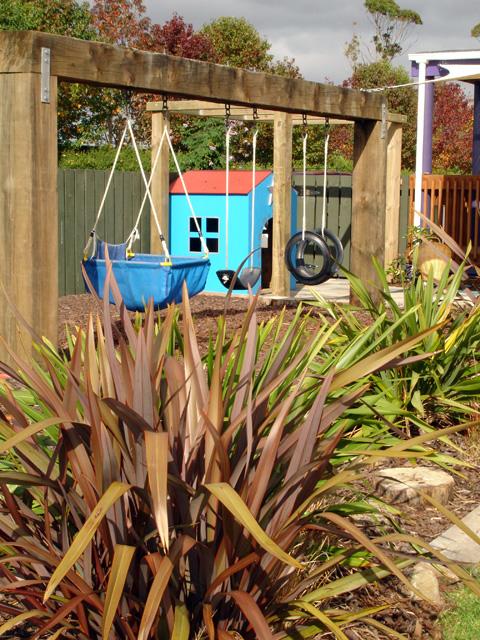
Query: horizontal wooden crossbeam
212, 110
112, 66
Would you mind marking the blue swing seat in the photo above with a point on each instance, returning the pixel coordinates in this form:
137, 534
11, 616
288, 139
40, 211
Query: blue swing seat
143, 276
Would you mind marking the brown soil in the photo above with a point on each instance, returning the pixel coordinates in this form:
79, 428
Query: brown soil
206, 308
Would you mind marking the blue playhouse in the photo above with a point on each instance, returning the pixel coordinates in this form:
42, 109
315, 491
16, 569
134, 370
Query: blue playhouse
207, 194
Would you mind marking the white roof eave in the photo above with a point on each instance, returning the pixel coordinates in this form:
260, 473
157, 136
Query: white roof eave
437, 56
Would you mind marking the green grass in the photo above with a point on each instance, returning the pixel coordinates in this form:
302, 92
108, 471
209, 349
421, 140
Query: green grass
461, 621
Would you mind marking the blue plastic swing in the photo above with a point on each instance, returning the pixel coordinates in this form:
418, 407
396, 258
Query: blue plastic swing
143, 277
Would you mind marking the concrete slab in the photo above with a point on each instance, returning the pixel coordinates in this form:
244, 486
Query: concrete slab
334, 290
456, 545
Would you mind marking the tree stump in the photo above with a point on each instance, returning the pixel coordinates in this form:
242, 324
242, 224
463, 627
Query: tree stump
404, 484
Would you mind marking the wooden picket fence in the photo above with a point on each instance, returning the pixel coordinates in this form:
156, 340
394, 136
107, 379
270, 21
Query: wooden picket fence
80, 192
453, 202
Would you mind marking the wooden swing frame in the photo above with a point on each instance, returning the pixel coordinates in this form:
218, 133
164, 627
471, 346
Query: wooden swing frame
31, 66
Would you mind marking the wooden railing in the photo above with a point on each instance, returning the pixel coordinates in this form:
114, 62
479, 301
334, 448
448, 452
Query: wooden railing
453, 202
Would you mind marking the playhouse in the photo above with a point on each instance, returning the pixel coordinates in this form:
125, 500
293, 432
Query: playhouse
227, 247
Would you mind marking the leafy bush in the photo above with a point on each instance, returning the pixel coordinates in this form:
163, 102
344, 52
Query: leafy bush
101, 158
442, 374
150, 493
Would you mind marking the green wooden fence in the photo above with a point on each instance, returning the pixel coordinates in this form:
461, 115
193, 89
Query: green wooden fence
79, 196
80, 192
339, 207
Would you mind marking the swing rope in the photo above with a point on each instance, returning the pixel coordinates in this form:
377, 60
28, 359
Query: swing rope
325, 163
228, 132
92, 238
166, 252
134, 234
304, 153
254, 161
187, 196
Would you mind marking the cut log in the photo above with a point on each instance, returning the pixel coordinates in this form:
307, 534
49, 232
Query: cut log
404, 484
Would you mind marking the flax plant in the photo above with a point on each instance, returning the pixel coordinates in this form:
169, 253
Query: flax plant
150, 492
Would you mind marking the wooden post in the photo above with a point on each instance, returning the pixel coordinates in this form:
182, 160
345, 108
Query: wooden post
368, 201
394, 168
282, 201
160, 183
28, 210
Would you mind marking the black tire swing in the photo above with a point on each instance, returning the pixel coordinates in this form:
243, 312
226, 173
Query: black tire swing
248, 276
305, 247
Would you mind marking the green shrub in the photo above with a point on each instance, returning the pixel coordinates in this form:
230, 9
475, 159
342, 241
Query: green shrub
441, 379
101, 158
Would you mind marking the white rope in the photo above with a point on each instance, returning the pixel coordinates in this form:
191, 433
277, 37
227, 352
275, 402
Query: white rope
134, 234
325, 163
252, 216
149, 195
227, 187
92, 236
187, 196
304, 204
409, 84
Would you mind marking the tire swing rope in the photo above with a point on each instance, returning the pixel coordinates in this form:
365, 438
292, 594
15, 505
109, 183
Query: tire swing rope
296, 246
249, 275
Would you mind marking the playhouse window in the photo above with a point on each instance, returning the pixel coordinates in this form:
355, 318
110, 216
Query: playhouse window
212, 245
195, 244
212, 225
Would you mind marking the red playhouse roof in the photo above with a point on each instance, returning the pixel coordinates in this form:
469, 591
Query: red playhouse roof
213, 182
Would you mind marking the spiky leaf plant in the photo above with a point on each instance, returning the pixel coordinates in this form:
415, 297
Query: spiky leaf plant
153, 493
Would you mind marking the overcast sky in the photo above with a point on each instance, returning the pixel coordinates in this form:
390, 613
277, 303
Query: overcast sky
315, 32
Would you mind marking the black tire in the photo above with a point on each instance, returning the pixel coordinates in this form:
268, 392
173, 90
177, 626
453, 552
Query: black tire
335, 247
300, 271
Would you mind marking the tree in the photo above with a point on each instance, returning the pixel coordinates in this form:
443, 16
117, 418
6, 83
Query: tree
238, 44
475, 32
392, 26
403, 100
179, 38
452, 129
64, 17
122, 22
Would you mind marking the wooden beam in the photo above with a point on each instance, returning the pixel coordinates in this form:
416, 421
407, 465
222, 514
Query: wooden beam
368, 202
160, 184
205, 109
28, 211
394, 168
213, 110
282, 202
111, 66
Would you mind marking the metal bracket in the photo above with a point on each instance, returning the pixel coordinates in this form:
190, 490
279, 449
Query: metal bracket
384, 119
45, 75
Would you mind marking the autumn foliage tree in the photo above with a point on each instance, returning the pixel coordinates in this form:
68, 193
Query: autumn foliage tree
452, 129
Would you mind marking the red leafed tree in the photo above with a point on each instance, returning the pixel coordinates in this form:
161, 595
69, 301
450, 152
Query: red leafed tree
178, 38
122, 22
452, 129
